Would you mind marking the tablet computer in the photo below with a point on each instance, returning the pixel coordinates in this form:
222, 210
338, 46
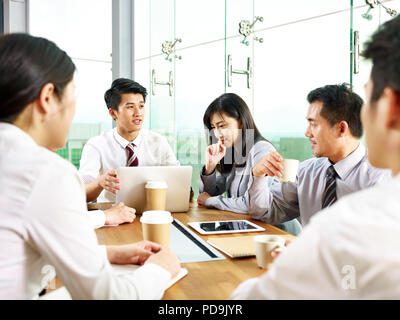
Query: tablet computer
230, 226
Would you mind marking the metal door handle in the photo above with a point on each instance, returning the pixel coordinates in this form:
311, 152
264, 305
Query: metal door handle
248, 72
154, 83
356, 52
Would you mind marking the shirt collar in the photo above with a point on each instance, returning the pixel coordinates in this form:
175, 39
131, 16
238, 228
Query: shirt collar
123, 142
17, 132
344, 166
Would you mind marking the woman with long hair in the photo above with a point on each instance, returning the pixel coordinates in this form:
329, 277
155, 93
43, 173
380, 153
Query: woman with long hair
43, 215
235, 146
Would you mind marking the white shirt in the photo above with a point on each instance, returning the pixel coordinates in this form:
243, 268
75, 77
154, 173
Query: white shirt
348, 251
108, 152
43, 221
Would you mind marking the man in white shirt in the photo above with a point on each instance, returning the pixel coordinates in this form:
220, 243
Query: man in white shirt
126, 145
351, 249
340, 166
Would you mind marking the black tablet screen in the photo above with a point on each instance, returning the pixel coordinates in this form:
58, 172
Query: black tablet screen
226, 226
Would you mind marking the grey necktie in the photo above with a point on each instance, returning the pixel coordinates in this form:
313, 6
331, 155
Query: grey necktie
329, 196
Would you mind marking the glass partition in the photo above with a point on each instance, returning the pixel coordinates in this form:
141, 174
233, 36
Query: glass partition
296, 57
277, 53
366, 20
200, 74
83, 29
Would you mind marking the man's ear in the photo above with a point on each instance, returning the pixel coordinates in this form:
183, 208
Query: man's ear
343, 128
112, 113
45, 98
392, 99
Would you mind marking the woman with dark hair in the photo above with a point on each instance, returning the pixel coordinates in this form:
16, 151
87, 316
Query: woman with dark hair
43, 218
235, 146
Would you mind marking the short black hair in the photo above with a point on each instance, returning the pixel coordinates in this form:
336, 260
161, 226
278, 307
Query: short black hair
384, 50
27, 63
119, 87
340, 103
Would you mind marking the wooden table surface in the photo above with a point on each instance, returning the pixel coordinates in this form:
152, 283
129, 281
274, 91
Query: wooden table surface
214, 280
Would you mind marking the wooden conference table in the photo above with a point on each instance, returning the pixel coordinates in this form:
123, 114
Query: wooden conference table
213, 280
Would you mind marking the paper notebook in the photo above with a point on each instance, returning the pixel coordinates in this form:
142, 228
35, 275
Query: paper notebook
237, 247
121, 269
63, 294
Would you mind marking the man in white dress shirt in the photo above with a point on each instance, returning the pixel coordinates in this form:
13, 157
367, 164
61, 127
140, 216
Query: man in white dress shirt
340, 166
351, 249
126, 145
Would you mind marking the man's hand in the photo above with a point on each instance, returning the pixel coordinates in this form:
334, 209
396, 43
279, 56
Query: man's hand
109, 181
270, 165
214, 154
202, 198
276, 252
136, 253
119, 214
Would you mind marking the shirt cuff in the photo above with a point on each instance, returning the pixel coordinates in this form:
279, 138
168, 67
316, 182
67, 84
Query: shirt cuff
209, 177
97, 218
212, 202
152, 281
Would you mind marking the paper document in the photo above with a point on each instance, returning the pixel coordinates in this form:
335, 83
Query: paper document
237, 247
121, 269
63, 294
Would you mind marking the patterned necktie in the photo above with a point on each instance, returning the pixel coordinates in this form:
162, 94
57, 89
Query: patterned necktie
329, 196
133, 161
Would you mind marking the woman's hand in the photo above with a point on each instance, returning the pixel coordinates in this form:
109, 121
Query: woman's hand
119, 214
214, 154
136, 253
202, 198
166, 259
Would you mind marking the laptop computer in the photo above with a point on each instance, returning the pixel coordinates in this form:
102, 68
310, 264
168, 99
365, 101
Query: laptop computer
134, 179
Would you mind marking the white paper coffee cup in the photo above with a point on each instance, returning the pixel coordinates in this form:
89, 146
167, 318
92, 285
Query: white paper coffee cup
156, 195
156, 226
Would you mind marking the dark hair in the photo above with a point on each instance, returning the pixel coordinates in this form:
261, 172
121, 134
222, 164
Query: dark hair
27, 63
119, 87
384, 50
235, 107
339, 104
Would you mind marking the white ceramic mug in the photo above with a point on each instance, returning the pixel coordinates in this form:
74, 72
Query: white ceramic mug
290, 167
264, 245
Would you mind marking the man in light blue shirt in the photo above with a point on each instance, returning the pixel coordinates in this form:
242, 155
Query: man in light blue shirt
340, 166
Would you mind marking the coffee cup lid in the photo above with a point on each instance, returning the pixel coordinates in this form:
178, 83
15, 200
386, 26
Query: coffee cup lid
156, 217
156, 185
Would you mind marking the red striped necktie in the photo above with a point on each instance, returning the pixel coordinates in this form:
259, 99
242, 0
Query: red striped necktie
133, 161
